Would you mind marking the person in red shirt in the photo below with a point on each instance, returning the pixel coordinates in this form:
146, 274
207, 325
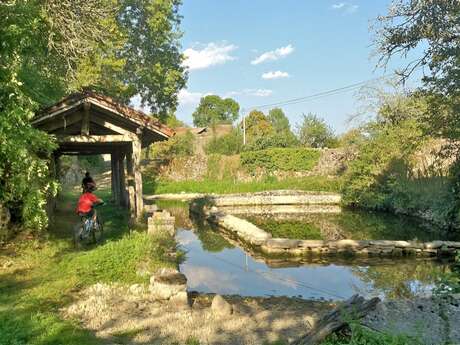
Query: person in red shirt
86, 203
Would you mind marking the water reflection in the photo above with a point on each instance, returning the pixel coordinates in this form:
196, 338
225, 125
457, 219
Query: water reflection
233, 271
220, 265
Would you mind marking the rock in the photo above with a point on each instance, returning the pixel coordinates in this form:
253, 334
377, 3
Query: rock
282, 243
220, 307
312, 243
161, 222
179, 300
136, 289
167, 283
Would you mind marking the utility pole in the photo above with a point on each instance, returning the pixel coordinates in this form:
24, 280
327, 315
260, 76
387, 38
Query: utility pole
244, 129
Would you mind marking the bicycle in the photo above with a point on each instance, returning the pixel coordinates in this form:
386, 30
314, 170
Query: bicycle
89, 230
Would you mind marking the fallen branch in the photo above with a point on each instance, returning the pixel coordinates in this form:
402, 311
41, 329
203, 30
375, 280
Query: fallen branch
354, 308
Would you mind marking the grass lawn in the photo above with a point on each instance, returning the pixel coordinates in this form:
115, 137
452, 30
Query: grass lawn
297, 230
311, 183
39, 275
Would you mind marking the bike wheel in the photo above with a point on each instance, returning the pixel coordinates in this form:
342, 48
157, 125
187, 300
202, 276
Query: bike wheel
98, 231
77, 235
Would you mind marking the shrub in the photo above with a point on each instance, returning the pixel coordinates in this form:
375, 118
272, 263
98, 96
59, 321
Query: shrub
283, 139
286, 159
228, 144
314, 132
177, 146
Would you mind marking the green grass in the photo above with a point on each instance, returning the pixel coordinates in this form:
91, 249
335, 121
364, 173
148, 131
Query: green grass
364, 336
313, 183
45, 273
288, 229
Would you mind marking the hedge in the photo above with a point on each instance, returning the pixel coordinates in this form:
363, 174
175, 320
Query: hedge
286, 159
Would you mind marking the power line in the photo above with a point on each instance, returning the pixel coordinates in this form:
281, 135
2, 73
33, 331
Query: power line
282, 279
332, 92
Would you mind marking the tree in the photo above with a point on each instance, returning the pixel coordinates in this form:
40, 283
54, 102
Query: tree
433, 27
142, 56
314, 132
42, 42
257, 125
214, 109
278, 120
409, 24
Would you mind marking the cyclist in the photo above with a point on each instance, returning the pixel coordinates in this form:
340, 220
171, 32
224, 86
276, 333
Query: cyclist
87, 182
87, 201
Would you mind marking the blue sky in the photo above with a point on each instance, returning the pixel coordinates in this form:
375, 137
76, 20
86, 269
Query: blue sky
265, 51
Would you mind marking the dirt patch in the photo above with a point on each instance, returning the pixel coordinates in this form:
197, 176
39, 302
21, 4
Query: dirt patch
115, 312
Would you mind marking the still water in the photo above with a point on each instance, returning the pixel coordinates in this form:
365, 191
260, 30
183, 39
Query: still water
214, 265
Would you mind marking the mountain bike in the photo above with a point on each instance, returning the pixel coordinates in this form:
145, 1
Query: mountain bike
89, 230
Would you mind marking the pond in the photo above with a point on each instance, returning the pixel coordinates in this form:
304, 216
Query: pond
215, 264
348, 224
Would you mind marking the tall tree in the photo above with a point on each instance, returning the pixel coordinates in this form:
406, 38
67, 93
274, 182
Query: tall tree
314, 132
279, 120
142, 57
214, 109
41, 42
257, 125
433, 28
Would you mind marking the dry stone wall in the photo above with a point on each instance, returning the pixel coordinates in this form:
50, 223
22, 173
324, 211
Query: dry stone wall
263, 241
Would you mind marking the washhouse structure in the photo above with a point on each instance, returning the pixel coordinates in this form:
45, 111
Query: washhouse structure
88, 124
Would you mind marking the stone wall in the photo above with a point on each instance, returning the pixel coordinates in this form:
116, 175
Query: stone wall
331, 163
263, 241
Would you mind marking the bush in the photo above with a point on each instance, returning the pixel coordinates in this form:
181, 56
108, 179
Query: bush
283, 139
177, 146
286, 159
228, 144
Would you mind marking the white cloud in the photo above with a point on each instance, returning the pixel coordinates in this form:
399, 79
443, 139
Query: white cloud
251, 92
273, 54
345, 7
201, 57
338, 6
185, 97
275, 75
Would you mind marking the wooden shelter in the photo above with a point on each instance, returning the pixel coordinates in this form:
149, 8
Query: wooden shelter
88, 123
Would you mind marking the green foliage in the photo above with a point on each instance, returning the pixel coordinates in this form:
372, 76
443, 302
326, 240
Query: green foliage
45, 274
431, 25
364, 336
173, 122
92, 163
212, 241
142, 55
177, 146
213, 110
257, 125
228, 144
272, 140
312, 183
285, 159
279, 121
429, 28
314, 132
289, 229
382, 159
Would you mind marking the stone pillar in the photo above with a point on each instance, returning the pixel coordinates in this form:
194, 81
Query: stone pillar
138, 177
131, 184
161, 222
121, 177
114, 162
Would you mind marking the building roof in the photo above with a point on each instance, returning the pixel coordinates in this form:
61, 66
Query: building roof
135, 117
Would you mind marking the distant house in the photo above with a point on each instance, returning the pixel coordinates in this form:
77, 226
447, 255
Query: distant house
204, 134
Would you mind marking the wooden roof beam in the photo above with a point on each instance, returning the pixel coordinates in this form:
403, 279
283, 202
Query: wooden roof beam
94, 138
